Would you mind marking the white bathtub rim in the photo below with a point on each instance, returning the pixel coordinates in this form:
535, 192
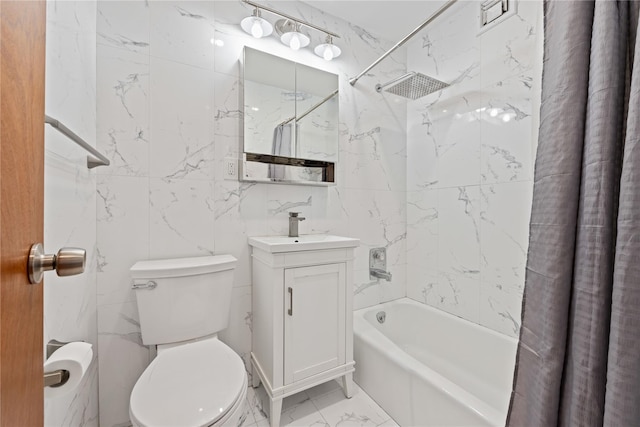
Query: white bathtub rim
453, 317
373, 337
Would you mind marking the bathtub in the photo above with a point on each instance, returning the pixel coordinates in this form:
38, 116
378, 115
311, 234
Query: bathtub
425, 367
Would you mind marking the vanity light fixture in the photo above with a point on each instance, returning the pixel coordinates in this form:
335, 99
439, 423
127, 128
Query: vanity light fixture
289, 30
328, 50
256, 25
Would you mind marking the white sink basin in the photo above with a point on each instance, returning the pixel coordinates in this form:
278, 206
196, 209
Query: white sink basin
309, 242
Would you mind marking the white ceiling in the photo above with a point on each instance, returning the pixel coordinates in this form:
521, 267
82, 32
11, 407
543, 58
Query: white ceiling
389, 19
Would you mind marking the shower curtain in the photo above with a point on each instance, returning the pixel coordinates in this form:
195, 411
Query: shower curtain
578, 360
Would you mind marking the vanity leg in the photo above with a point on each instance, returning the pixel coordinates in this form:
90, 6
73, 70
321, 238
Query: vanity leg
347, 385
275, 408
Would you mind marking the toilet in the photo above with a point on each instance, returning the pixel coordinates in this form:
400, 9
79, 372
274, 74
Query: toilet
195, 380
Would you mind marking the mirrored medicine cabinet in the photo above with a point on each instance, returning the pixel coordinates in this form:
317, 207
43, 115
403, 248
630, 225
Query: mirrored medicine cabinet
290, 121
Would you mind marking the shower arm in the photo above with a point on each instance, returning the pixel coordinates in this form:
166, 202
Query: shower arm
381, 87
437, 13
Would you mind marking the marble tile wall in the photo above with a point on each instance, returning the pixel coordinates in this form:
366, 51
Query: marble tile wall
169, 113
70, 199
471, 151
446, 204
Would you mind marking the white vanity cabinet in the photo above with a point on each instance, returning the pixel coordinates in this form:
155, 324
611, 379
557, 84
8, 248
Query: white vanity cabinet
302, 314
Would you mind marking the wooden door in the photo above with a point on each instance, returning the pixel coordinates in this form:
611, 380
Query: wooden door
22, 59
314, 326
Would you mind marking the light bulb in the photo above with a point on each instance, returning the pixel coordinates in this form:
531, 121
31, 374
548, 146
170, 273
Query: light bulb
493, 112
295, 42
255, 25
256, 29
328, 53
327, 50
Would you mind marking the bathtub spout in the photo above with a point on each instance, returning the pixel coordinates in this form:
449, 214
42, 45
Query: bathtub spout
380, 274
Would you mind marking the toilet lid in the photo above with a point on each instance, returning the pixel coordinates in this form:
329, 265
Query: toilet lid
190, 385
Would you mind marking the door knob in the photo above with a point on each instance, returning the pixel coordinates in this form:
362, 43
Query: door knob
67, 262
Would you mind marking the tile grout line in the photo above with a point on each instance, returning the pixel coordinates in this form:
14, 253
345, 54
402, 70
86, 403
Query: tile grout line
318, 410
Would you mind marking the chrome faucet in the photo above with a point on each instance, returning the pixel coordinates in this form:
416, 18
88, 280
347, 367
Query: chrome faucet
378, 264
380, 274
294, 219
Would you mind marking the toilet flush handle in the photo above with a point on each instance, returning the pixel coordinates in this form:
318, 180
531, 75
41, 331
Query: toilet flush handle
149, 285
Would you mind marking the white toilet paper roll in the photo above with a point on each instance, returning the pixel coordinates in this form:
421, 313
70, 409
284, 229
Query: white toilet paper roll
74, 357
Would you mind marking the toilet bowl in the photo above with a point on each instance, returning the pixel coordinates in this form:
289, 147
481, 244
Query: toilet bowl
195, 380
199, 384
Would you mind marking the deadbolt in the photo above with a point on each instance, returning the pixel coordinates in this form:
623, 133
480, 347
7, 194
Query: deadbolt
67, 262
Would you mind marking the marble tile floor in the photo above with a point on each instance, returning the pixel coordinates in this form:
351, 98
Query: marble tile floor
323, 405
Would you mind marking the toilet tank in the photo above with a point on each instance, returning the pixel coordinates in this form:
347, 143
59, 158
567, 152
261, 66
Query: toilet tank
182, 299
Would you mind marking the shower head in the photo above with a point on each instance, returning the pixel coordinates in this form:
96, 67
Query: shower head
412, 85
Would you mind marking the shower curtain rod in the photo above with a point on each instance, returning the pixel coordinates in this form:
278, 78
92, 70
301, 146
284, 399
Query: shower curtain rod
312, 109
437, 13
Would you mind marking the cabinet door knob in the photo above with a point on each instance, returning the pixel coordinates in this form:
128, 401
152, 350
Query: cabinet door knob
290, 311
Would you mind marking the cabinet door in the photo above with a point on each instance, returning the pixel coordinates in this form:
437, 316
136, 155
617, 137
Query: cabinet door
314, 325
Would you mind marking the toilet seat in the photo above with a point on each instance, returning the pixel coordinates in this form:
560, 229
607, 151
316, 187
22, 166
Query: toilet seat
192, 385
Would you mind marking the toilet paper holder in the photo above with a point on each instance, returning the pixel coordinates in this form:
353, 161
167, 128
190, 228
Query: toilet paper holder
58, 377
66, 367
54, 345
